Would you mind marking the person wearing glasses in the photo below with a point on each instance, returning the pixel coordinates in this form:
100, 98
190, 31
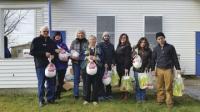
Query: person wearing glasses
42, 48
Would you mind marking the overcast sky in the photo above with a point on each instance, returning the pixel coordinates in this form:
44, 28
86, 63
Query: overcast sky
25, 30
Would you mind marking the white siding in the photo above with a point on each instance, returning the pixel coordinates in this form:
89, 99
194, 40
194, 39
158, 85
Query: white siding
181, 18
17, 73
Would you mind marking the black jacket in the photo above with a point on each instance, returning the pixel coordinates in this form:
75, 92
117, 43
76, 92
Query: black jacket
165, 57
39, 47
146, 59
123, 56
109, 53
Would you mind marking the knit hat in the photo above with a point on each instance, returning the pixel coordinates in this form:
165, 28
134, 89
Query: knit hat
105, 33
160, 34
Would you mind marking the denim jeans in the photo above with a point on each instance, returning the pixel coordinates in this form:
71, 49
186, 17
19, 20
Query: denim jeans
41, 88
140, 93
77, 71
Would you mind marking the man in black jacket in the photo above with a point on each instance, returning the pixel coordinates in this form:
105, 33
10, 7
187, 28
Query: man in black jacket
109, 61
42, 48
165, 58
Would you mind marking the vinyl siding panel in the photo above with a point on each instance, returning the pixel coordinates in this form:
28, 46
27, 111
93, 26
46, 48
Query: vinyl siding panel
17, 73
180, 21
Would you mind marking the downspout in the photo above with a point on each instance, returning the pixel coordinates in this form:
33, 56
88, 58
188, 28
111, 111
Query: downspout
50, 25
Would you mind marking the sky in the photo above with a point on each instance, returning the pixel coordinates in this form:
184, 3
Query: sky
24, 32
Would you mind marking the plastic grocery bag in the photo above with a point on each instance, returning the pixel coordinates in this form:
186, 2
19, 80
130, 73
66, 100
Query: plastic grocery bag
114, 77
91, 68
143, 80
63, 56
150, 84
178, 85
126, 83
50, 70
137, 61
74, 53
106, 77
132, 73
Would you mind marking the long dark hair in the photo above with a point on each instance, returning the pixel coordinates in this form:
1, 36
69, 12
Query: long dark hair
127, 40
139, 42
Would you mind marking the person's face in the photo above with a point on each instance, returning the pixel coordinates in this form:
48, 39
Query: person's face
123, 39
80, 35
106, 37
143, 43
57, 37
160, 40
92, 41
45, 32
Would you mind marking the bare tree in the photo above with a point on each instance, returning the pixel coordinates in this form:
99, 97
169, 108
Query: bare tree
12, 18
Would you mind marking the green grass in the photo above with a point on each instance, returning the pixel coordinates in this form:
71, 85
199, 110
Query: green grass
29, 103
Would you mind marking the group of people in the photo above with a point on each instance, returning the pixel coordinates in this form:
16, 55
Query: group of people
161, 62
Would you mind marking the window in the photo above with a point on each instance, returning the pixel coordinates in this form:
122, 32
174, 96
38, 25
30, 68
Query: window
106, 23
153, 24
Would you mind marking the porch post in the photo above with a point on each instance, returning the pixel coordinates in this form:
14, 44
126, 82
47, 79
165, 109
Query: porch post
1, 34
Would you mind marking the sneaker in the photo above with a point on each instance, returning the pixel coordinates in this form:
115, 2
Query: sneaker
85, 102
41, 104
94, 103
110, 97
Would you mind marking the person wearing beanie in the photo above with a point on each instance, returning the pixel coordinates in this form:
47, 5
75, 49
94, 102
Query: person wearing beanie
61, 66
164, 59
109, 61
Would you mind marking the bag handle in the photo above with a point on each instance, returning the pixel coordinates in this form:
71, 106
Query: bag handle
50, 59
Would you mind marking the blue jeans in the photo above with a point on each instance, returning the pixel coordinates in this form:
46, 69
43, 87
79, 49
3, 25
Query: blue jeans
41, 88
140, 93
77, 71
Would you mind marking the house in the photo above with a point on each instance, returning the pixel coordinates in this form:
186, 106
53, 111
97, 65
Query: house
18, 51
179, 20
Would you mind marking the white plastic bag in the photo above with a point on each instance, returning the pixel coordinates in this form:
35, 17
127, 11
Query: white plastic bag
106, 77
63, 56
91, 68
126, 83
132, 73
114, 77
74, 53
178, 85
137, 61
145, 80
50, 70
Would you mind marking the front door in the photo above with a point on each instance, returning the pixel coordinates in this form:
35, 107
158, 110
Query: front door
198, 53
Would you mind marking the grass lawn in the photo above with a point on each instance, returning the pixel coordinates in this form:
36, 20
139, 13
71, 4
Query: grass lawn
29, 103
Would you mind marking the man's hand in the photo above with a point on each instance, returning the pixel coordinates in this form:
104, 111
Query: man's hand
58, 50
153, 73
178, 71
48, 54
106, 65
